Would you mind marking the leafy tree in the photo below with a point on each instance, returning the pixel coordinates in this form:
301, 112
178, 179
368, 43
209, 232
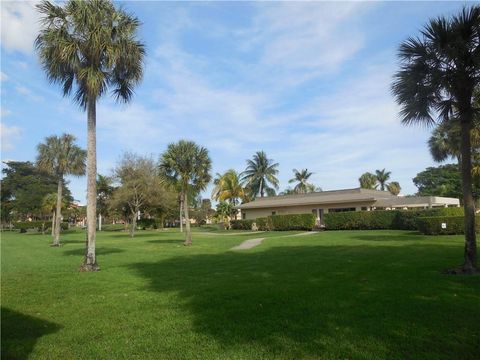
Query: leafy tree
104, 193
394, 187
444, 180
59, 156
186, 165
260, 176
301, 179
23, 188
438, 76
368, 181
140, 189
382, 177
228, 188
90, 46
225, 211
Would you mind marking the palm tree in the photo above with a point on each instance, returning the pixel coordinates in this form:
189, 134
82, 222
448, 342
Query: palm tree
49, 205
368, 181
90, 46
436, 83
382, 178
60, 156
228, 188
260, 172
301, 178
394, 187
187, 166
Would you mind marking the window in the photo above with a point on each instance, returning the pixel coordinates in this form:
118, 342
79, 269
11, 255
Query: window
340, 210
243, 215
274, 213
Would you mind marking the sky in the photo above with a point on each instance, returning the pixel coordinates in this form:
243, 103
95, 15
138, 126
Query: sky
307, 82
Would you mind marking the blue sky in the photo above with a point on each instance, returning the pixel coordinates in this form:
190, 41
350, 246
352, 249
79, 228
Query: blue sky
306, 82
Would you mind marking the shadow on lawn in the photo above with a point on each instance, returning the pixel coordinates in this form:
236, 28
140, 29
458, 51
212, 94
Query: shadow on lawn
20, 333
413, 237
339, 301
98, 251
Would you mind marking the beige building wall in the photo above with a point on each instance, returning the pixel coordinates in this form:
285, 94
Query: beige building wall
252, 214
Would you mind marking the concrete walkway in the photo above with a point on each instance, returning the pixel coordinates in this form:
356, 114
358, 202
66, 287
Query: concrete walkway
248, 244
304, 233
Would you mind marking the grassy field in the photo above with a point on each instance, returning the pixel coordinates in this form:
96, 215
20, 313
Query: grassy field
331, 295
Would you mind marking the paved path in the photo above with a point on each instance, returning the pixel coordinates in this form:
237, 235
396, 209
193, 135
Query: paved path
248, 244
304, 233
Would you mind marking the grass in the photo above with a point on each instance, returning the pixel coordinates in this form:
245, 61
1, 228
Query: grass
331, 295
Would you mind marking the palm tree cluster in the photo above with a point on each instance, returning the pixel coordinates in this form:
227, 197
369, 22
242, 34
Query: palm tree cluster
59, 156
89, 47
436, 84
379, 179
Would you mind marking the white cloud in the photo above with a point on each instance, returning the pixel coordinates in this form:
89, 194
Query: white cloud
20, 25
3, 76
9, 135
27, 93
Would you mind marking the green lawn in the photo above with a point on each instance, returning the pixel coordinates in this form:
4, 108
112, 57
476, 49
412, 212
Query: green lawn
332, 295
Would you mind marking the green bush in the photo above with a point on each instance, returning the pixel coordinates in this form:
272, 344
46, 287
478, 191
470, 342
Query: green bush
264, 224
432, 225
292, 222
147, 224
241, 224
384, 219
360, 220
38, 225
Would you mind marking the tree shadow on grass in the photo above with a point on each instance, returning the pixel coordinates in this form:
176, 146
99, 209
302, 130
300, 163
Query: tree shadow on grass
412, 236
20, 333
98, 251
327, 301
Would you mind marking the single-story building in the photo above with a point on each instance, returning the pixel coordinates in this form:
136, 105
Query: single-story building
320, 203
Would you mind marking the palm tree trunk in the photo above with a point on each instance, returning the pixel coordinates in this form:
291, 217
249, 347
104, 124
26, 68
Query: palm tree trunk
188, 234
470, 254
58, 214
133, 225
90, 263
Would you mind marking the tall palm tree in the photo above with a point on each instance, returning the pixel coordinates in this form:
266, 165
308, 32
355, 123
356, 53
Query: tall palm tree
60, 156
49, 205
261, 175
90, 46
382, 178
436, 83
228, 188
301, 178
368, 181
394, 187
186, 165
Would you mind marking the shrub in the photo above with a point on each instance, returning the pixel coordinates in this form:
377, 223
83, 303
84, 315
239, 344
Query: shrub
39, 225
264, 224
147, 224
360, 220
241, 224
432, 225
292, 222
384, 219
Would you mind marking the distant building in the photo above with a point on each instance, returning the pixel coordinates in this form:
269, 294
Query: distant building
320, 203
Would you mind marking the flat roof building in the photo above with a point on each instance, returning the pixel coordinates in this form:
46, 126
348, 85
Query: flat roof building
321, 203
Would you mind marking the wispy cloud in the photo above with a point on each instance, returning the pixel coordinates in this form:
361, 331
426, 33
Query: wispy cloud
9, 135
28, 94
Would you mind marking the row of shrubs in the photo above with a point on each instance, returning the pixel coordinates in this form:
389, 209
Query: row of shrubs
428, 221
277, 223
39, 225
454, 225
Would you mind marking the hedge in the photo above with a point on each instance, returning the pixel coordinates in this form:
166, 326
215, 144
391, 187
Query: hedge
292, 222
40, 225
264, 224
360, 220
455, 225
384, 219
241, 224
147, 223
